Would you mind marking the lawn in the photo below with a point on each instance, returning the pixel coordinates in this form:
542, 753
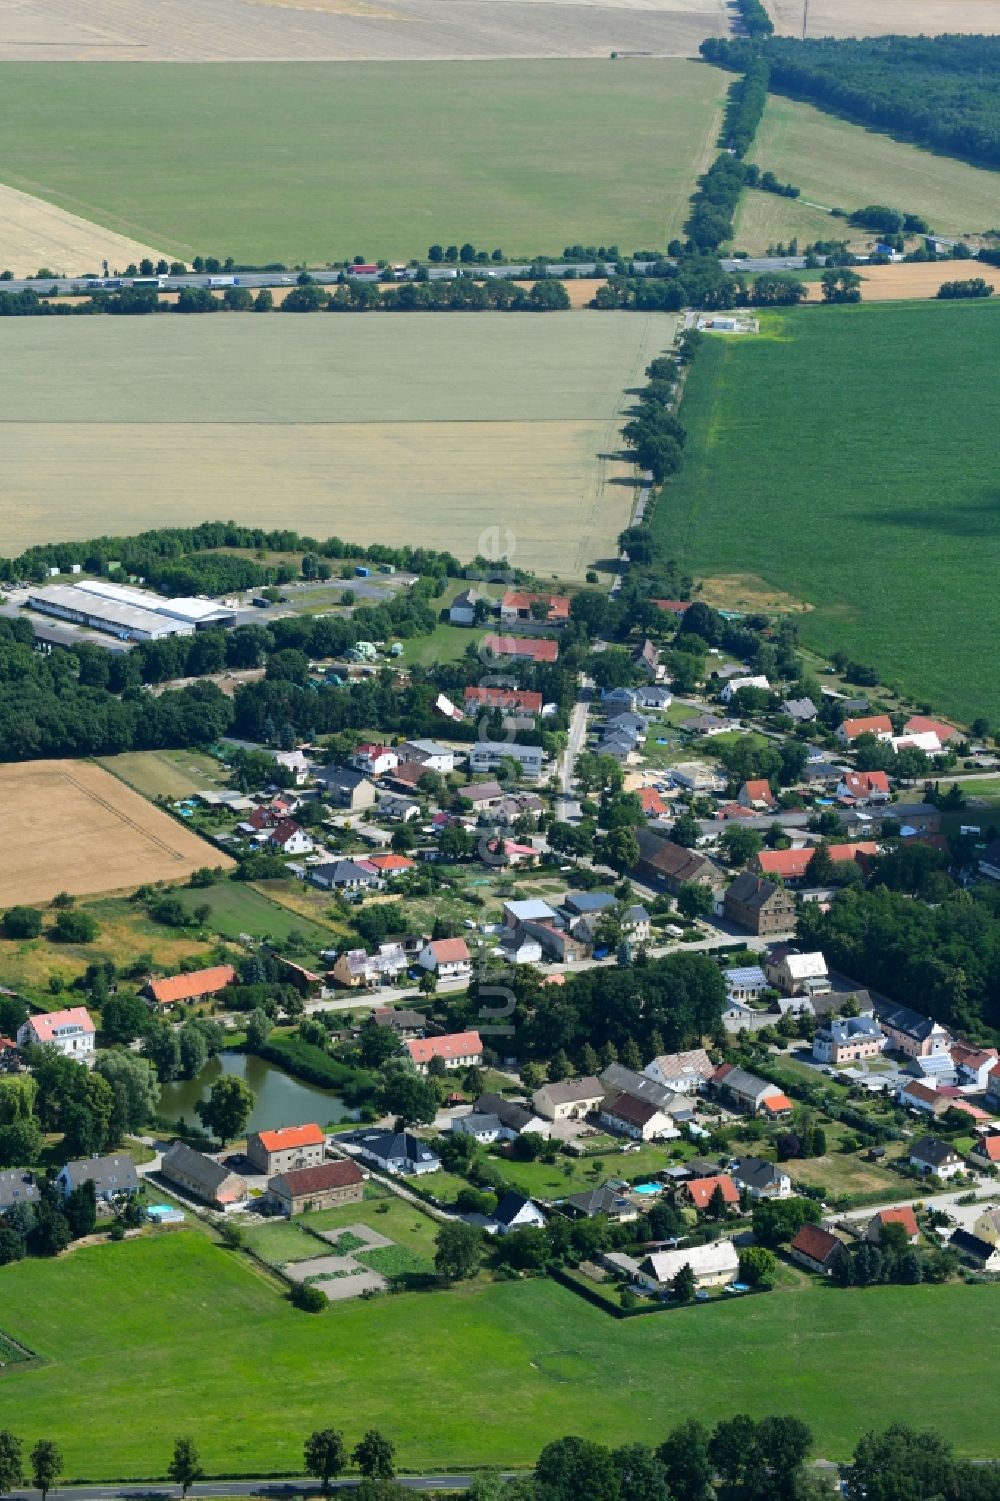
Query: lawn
766, 219
199, 1337
840, 165
282, 1241
236, 907
478, 434
862, 438
322, 161
399, 1221
166, 773
570, 1175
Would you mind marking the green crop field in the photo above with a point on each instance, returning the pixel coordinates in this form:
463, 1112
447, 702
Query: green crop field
235, 908
847, 457
839, 165
322, 161
467, 433
201, 1337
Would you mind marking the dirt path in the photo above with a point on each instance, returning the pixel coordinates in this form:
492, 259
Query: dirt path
35, 234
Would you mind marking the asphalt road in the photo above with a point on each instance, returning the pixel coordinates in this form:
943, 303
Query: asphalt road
255, 279
155, 1490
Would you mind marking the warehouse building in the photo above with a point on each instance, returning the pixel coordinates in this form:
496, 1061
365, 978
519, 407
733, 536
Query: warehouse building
128, 614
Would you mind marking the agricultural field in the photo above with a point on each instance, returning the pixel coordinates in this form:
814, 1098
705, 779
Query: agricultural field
829, 457
71, 826
913, 282
310, 30
483, 434
840, 165
846, 18
765, 219
35, 235
172, 774
528, 156
214, 1337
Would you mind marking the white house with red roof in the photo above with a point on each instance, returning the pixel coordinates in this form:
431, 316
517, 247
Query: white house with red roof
517, 605
919, 724
375, 760
879, 725
455, 1049
448, 958
973, 1065
756, 794
904, 1216
925, 741
70, 1032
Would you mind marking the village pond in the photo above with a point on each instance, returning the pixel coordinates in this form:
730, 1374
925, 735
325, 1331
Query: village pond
279, 1099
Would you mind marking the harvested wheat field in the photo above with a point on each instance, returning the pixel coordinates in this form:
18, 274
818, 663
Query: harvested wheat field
914, 281
70, 826
371, 426
35, 234
350, 30
846, 18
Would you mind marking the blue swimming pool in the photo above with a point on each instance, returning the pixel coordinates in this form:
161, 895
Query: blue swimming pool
647, 1188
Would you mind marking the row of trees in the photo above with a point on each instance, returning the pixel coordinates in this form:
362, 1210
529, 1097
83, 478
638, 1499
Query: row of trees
700, 282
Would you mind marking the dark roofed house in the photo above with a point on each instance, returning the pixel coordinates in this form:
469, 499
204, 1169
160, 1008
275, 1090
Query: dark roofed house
17, 1187
982, 1253
514, 1212
911, 1033
513, 1115
670, 866
759, 905
111, 1175
323, 1186
933, 1156
614, 1206
628, 1116
347, 788
394, 1151
816, 1249
202, 1176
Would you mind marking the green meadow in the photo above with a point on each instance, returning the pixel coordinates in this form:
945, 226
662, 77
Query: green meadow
205, 1345
847, 456
319, 162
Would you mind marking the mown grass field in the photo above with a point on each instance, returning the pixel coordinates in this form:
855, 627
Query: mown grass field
479, 434
324, 161
202, 1337
765, 219
840, 165
847, 456
166, 773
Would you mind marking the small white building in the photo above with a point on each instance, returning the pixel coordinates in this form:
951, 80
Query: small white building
429, 754
714, 1265
448, 958
734, 685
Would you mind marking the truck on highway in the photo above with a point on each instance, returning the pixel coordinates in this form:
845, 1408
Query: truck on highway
368, 269
223, 281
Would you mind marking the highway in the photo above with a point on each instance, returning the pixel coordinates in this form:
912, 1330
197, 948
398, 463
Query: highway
256, 279
163, 1490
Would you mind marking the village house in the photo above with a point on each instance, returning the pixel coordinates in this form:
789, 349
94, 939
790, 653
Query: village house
483, 796
515, 1212
714, 1265
186, 989
735, 684
346, 787
919, 724
745, 983
879, 725
324, 1186
627, 1116
686, 1073
397, 808
18, 1186
517, 605
985, 1152
71, 1032
448, 958
398, 1152
973, 1066
618, 1080
864, 787
795, 973
202, 1177
346, 875
485, 1129
462, 610
847, 1039
756, 795
454, 1049
487, 755
571, 1099
749, 1093
700, 1191
289, 838
652, 696
931, 1155
428, 754
903, 1216
983, 1254
653, 804
375, 760
522, 699
923, 1098
759, 905
528, 648
987, 1226
668, 866
355, 969
614, 1206
816, 1249
910, 1033
993, 1088
801, 710
761, 1179
515, 1116
286, 1148
111, 1175
647, 659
